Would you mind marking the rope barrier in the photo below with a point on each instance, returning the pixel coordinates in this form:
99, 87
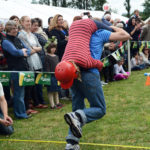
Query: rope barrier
89, 144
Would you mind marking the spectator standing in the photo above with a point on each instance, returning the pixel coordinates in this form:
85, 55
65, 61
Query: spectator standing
3, 64
49, 26
51, 61
34, 60
42, 40
134, 29
40, 28
17, 20
16, 54
61, 34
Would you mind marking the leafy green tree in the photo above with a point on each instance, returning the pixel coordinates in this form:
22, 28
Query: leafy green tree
34, 2
55, 2
63, 3
46, 2
146, 11
98, 4
87, 4
128, 7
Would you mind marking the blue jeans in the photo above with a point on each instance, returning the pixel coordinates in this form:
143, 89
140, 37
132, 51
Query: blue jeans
139, 67
18, 98
4, 129
89, 88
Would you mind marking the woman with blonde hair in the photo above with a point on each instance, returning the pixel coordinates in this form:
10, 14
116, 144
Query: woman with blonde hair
34, 60
60, 33
57, 29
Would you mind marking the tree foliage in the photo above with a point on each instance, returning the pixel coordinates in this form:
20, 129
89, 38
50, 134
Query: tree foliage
98, 4
81, 4
146, 11
128, 7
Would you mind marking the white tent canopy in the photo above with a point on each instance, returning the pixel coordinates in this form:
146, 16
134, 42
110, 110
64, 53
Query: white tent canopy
24, 8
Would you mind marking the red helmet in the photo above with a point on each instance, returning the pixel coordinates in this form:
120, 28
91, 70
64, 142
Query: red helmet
65, 72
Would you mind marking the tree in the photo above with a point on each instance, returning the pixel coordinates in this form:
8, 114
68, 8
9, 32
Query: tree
146, 10
87, 4
55, 2
34, 2
46, 2
128, 7
98, 4
63, 3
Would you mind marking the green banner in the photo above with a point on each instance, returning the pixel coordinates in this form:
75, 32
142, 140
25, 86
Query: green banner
116, 56
5, 78
142, 46
106, 62
26, 79
135, 45
148, 44
122, 50
43, 78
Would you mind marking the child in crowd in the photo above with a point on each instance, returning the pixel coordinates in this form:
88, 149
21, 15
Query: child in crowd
137, 62
51, 60
119, 71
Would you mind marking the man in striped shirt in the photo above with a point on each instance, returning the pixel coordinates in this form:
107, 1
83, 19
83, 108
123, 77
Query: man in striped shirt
90, 88
77, 48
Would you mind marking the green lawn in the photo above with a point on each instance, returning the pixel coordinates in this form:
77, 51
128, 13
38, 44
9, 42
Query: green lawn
127, 121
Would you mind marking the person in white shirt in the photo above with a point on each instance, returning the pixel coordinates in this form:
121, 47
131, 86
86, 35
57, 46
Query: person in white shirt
145, 55
5, 121
119, 71
137, 62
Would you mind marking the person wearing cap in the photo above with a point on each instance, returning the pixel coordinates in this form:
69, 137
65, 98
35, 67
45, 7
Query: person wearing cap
85, 83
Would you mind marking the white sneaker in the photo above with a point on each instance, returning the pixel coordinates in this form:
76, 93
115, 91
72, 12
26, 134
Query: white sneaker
74, 123
103, 83
72, 147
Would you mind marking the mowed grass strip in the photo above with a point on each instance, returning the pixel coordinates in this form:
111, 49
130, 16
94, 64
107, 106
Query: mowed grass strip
127, 121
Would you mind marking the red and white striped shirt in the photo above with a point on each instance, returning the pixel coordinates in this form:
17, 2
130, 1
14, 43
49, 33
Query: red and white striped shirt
78, 46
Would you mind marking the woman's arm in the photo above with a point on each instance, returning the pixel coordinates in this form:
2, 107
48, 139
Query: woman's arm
10, 48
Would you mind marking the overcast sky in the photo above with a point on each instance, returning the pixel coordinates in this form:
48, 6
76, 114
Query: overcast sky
118, 5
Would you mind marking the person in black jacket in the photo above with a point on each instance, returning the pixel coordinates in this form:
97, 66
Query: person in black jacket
61, 34
16, 54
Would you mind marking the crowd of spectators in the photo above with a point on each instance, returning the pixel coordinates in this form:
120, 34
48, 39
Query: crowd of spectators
22, 48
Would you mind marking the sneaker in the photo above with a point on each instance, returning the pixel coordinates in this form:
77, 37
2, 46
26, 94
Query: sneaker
103, 83
75, 125
72, 147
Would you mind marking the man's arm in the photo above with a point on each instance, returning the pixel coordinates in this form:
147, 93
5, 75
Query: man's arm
119, 34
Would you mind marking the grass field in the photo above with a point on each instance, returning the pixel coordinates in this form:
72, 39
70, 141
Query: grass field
127, 121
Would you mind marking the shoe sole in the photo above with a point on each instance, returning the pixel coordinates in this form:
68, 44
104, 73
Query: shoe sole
73, 128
